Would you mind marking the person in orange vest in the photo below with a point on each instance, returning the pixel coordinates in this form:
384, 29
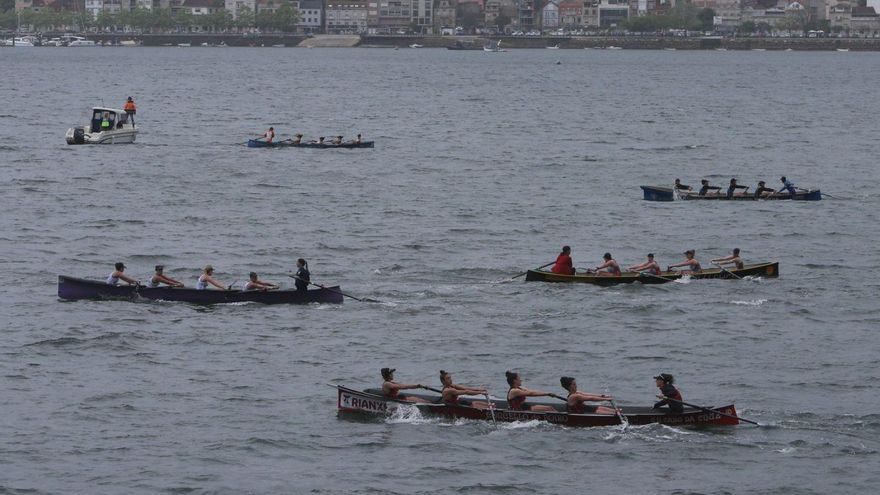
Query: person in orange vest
130, 109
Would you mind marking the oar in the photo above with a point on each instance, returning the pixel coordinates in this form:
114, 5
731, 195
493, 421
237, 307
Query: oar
364, 299
232, 285
623, 421
726, 270
646, 274
706, 409
523, 273
557, 397
491, 409
432, 389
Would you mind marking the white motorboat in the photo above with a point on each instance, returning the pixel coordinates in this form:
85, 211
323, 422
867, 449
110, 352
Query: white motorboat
415, 45
118, 131
493, 46
78, 41
23, 42
554, 47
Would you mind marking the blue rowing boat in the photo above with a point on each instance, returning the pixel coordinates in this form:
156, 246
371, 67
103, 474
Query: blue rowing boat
659, 193
256, 143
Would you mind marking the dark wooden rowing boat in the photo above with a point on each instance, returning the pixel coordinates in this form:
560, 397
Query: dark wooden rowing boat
72, 288
255, 143
658, 193
768, 270
372, 402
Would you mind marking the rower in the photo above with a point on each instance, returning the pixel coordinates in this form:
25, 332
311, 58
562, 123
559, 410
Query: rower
731, 189
649, 266
577, 398
356, 140
303, 277
787, 185
762, 189
269, 135
117, 275
681, 187
337, 140
159, 278
706, 187
319, 141
207, 277
451, 392
665, 384
609, 268
693, 266
517, 394
564, 265
130, 109
297, 138
391, 389
733, 259
256, 284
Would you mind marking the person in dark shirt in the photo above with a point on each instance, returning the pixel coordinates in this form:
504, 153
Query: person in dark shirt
787, 185
762, 189
733, 187
681, 187
564, 265
303, 277
668, 391
706, 187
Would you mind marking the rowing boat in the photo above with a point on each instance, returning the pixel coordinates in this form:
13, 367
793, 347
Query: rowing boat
72, 288
769, 270
372, 402
658, 193
256, 143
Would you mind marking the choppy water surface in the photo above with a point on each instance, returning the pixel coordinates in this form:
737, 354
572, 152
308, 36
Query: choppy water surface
485, 164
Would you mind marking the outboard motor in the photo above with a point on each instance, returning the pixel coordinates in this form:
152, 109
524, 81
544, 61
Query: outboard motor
79, 136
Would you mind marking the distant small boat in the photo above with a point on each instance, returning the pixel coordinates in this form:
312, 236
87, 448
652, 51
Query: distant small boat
670, 49
759, 49
788, 50
554, 47
128, 43
612, 47
493, 46
721, 49
279, 45
415, 45
184, 44
843, 49
256, 143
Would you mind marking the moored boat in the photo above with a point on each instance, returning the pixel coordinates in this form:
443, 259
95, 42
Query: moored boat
660, 193
71, 288
372, 402
121, 129
768, 270
256, 143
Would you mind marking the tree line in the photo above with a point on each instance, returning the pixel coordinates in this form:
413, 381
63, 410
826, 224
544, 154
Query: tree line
284, 20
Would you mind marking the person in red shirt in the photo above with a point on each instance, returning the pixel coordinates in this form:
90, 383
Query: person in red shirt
564, 265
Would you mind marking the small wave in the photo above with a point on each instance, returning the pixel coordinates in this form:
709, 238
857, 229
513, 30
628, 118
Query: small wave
409, 415
753, 302
685, 279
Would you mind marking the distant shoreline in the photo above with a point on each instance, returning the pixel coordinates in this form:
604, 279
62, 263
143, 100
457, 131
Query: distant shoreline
507, 42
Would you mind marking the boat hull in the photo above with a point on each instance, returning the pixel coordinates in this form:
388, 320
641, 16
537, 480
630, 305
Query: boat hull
81, 135
658, 193
255, 143
767, 270
371, 402
71, 288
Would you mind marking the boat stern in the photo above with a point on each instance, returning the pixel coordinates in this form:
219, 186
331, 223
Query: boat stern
656, 193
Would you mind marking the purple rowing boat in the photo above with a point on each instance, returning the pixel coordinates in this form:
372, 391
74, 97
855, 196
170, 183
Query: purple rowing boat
72, 288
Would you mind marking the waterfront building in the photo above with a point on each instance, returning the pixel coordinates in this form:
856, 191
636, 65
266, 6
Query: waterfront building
612, 13
346, 16
590, 14
311, 15
491, 12
423, 16
199, 7
570, 14
236, 6
444, 15
550, 15
526, 15
854, 19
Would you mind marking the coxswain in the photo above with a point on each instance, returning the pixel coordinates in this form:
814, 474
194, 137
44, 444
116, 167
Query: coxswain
706, 187
693, 266
517, 394
256, 284
731, 189
269, 135
576, 399
391, 389
118, 274
649, 266
451, 392
762, 188
130, 109
733, 259
357, 140
787, 185
106, 124
337, 140
159, 278
297, 138
303, 277
609, 268
681, 187
564, 265
207, 277
668, 391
